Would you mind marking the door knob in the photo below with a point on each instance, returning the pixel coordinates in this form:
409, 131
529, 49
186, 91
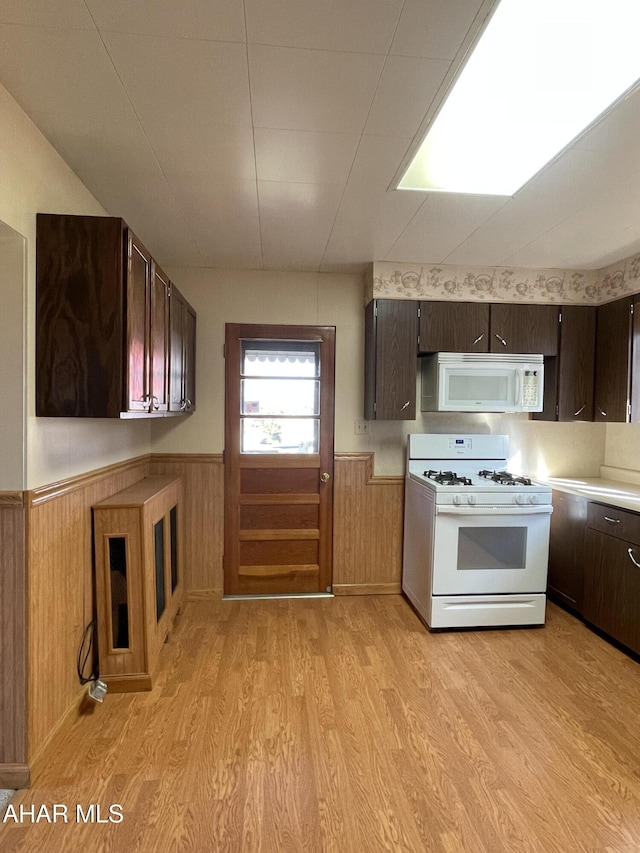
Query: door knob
325, 477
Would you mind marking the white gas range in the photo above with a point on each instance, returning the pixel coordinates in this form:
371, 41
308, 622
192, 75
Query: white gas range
476, 538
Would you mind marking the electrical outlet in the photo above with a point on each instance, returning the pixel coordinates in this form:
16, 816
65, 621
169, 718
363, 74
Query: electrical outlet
362, 428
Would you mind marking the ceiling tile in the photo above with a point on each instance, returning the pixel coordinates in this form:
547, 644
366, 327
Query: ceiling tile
613, 132
433, 28
180, 80
440, 225
222, 217
314, 90
304, 157
70, 14
219, 151
295, 222
214, 20
407, 87
360, 26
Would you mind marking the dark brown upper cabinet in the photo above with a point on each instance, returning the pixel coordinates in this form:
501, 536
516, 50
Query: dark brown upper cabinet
182, 357
524, 328
147, 300
613, 369
454, 327
576, 362
391, 347
102, 321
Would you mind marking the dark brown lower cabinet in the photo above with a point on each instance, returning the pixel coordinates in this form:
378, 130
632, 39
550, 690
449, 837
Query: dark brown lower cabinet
567, 549
612, 574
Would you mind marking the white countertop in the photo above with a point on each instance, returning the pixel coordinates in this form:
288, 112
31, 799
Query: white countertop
616, 486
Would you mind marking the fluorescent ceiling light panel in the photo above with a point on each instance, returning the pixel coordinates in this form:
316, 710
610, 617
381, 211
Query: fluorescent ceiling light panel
542, 71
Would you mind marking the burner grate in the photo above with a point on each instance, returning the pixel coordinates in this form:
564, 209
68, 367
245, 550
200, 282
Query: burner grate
447, 478
504, 478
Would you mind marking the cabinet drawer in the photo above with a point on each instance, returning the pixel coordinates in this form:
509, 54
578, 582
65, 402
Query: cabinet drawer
616, 522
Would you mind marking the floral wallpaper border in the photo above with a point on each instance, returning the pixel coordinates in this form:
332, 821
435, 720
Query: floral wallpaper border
391, 280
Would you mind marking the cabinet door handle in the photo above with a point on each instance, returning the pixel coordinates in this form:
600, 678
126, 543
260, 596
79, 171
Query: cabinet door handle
612, 520
479, 338
402, 408
632, 558
580, 410
604, 414
502, 340
156, 403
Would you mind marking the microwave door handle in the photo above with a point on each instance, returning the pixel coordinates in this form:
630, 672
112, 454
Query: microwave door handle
519, 395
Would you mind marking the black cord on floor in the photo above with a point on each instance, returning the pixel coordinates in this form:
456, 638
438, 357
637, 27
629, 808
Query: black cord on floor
87, 642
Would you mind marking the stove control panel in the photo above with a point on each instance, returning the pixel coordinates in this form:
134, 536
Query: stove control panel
527, 499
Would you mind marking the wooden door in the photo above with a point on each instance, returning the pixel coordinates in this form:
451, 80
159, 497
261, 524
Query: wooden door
159, 340
577, 360
567, 548
391, 358
524, 328
613, 337
190, 359
612, 588
454, 327
177, 310
279, 410
138, 301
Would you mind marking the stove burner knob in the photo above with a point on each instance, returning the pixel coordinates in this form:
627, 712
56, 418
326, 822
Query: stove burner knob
471, 499
533, 499
520, 499
457, 499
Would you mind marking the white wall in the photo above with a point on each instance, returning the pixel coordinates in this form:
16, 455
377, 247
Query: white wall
35, 179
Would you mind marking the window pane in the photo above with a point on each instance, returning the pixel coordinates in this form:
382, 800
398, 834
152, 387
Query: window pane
273, 435
280, 358
280, 396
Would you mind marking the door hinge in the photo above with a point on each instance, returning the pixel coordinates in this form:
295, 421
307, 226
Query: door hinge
375, 309
419, 312
375, 407
628, 410
557, 411
631, 308
560, 317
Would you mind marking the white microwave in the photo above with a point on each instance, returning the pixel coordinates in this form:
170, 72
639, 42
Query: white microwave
482, 382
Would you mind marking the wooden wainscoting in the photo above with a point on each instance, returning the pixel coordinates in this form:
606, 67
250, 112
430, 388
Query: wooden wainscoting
203, 482
367, 543
60, 592
14, 770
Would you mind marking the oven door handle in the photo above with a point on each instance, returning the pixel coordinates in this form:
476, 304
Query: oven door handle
542, 509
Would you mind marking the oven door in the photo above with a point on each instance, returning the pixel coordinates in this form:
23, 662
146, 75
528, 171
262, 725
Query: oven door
491, 549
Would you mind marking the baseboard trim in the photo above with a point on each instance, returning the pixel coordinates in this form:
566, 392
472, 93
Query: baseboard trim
14, 776
137, 683
366, 589
203, 594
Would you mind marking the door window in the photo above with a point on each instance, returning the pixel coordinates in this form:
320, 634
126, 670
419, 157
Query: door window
280, 397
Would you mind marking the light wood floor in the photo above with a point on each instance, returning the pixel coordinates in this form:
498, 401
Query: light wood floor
343, 725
